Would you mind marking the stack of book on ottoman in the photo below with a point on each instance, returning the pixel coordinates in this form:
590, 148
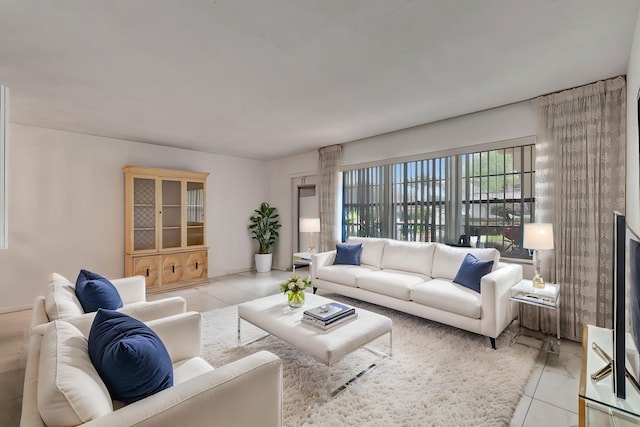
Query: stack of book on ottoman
329, 315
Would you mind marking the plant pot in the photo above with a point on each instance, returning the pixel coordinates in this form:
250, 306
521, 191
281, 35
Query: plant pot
263, 263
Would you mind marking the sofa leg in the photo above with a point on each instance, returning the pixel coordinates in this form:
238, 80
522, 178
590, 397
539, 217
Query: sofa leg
314, 289
493, 343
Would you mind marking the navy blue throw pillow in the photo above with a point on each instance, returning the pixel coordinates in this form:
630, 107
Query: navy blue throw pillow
129, 357
95, 291
348, 254
471, 271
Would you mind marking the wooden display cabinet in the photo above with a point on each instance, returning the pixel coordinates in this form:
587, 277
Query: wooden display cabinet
165, 226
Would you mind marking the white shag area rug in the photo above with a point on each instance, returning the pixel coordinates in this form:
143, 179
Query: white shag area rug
438, 375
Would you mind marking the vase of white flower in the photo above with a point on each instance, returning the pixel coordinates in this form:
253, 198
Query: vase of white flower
294, 288
295, 299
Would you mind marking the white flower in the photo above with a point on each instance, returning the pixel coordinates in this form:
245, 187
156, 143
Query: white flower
294, 284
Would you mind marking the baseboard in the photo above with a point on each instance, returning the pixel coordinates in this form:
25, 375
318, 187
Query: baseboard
6, 310
219, 274
243, 270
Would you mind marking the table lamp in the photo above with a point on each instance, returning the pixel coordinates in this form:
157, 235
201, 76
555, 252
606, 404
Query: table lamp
310, 225
537, 237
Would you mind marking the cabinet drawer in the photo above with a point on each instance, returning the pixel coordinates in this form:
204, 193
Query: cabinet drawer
149, 267
196, 265
172, 268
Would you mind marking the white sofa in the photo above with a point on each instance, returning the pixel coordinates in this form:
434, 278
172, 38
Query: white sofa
64, 385
60, 303
417, 278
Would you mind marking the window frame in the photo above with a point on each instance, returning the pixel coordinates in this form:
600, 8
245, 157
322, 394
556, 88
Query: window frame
414, 197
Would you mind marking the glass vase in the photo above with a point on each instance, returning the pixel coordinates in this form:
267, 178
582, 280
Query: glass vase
295, 299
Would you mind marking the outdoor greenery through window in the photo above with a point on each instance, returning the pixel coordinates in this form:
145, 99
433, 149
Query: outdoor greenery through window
480, 199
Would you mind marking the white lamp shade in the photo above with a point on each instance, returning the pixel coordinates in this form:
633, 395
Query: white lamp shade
538, 236
309, 225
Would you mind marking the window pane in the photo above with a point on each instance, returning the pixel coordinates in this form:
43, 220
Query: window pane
488, 195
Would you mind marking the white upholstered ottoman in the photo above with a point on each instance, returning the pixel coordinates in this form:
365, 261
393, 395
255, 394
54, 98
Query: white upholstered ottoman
272, 314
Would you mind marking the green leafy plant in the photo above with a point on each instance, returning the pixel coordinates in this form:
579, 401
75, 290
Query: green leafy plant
264, 227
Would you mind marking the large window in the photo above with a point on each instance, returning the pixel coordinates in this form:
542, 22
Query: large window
482, 198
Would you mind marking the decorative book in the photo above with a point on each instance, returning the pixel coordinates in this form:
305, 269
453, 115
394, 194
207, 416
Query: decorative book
549, 292
335, 322
330, 311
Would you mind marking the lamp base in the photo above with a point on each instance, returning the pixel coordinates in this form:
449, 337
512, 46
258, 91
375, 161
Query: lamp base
538, 282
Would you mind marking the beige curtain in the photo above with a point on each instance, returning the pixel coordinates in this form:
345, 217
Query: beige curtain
329, 160
580, 181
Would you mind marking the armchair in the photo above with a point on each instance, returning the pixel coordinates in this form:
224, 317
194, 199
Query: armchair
61, 303
201, 395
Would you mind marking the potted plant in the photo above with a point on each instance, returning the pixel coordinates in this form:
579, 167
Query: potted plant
264, 228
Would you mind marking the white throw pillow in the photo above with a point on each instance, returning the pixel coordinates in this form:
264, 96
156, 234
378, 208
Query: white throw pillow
70, 391
372, 249
60, 300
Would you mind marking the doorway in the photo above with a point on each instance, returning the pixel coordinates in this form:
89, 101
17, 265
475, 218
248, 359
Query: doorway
307, 208
305, 205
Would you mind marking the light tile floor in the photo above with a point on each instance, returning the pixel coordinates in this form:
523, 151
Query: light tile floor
550, 397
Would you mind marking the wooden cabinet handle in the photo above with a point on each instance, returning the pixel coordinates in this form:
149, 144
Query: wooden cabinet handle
196, 265
147, 272
173, 268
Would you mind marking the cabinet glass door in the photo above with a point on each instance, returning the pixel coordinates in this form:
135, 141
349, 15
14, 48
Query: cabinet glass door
171, 214
144, 214
195, 213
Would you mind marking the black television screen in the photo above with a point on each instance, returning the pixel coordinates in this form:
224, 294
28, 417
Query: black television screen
619, 282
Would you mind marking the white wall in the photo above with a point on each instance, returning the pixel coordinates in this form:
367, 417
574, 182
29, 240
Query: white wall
66, 207
499, 124
282, 172
633, 161
512, 121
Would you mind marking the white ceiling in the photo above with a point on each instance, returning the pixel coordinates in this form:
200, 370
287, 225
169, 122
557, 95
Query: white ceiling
266, 79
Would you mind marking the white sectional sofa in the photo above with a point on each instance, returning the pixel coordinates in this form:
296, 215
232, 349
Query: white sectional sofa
61, 385
417, 278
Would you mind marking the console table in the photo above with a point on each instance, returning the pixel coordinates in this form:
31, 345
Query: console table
597, 403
